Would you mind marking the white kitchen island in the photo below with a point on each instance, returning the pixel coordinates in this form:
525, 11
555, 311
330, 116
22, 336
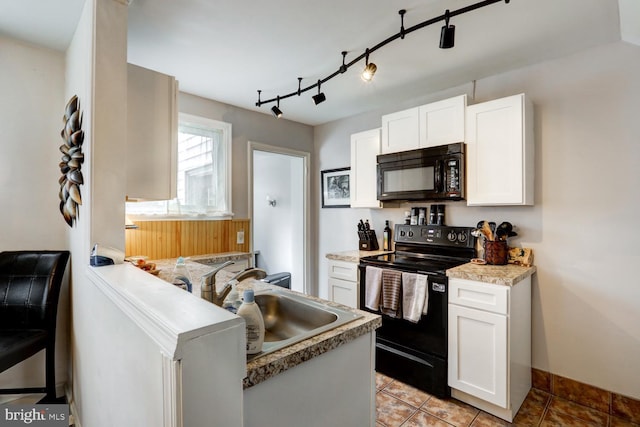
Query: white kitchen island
194, 370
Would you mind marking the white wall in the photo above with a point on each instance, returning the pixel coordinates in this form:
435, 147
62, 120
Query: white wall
96, 72
31, 83
583, 227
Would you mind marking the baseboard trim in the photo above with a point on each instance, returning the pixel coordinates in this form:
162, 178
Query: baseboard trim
74, 420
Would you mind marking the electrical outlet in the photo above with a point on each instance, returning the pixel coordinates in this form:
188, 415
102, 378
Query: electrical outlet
240, 237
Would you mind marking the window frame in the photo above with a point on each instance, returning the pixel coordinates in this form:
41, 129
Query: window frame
226, 128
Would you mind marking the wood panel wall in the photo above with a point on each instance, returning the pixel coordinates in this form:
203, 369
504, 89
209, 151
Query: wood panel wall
171, 239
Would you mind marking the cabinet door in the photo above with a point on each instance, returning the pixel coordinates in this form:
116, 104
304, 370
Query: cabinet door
442, 122
365, 146
499, 139
343, 292
478, 354
400, 131
152, 134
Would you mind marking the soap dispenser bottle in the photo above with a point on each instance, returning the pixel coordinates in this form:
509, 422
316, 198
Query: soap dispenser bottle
252, 315
181, 275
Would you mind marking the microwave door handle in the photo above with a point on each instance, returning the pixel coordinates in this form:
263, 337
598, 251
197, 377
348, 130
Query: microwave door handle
438, 180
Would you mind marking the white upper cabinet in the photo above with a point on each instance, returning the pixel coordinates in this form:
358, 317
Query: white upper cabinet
442, 122
400, 131
500, 152
437, 123
152, 134
365, 146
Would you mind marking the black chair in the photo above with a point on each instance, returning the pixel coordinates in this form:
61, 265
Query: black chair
30, 283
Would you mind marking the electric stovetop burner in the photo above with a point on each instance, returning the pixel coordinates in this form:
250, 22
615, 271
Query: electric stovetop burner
427, 248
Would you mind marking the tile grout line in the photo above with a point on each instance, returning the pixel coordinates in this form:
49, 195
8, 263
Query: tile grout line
545, 410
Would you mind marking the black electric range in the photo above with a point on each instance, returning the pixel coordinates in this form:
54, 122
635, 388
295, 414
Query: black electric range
416, 353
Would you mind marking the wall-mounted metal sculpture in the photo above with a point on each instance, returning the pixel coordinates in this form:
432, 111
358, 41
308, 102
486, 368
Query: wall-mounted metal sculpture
72, 159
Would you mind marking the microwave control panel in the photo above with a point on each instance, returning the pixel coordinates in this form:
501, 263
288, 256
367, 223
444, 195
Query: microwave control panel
453, 178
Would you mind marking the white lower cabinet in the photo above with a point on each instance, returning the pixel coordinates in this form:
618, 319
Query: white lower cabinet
489, 362
336, 388
343, 283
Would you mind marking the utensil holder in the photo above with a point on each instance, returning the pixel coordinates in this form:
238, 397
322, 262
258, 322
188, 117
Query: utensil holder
368, 241
496, 252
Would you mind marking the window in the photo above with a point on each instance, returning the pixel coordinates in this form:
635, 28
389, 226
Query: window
204, 172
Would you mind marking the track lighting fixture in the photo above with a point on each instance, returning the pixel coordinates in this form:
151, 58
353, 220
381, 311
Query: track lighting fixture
276, 109
447, 33
320, 97
369, 69
343, 67
447, 41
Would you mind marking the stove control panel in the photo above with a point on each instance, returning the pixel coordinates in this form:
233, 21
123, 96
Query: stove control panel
434, 234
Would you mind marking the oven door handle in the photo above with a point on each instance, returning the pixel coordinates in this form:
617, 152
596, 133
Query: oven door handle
403, 354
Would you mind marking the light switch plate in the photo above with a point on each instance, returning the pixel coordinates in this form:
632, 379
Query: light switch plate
240, 237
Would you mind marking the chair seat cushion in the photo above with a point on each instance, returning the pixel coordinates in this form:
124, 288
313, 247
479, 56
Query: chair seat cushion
19, 344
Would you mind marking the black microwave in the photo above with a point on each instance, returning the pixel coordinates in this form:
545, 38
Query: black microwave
433, 173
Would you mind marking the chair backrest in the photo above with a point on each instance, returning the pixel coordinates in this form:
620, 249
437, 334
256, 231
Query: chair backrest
30, 283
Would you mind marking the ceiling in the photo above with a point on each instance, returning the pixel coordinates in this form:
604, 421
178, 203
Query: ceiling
226, 50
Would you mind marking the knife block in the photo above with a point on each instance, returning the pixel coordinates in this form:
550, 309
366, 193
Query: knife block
368, 241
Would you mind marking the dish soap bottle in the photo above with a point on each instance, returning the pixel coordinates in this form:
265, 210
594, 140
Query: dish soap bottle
181, 275
252, 315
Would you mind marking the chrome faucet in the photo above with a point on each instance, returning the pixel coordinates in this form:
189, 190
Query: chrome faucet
218, 298
208, 285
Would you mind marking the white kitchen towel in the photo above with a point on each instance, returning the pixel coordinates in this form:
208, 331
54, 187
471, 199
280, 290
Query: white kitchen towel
373, 288
414, 288
422, 280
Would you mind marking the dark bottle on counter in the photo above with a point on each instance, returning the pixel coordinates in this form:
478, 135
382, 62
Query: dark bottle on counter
440, 216
386, 237
433, 214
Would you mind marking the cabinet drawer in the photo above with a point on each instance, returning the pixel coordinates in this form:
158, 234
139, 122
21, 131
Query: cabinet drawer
343, 270
483, 296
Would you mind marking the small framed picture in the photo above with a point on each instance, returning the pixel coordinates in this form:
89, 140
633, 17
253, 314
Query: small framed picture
336, 189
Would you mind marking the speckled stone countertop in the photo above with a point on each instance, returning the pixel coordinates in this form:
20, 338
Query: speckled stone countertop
353, 256
270, 365
507, 275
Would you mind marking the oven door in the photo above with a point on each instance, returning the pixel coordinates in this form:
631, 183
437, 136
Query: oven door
415, 353
429, 335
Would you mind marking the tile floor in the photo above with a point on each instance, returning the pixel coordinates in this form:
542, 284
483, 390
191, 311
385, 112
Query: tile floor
400, 405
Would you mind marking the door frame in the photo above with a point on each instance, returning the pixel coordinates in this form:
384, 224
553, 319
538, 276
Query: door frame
306, 197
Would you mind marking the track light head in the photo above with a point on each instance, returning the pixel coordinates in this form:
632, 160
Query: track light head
276, 109
276, 112
320, 97
369, 69
368, 72
317, 99
447, 33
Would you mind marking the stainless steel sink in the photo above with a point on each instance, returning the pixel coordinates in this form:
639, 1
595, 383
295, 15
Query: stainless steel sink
290, 318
